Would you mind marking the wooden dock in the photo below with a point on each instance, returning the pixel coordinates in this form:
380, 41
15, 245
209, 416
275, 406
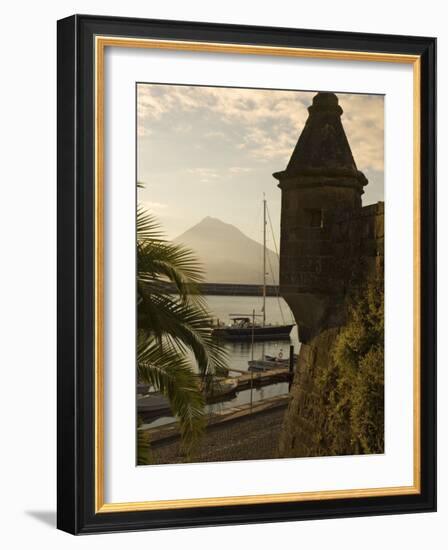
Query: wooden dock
228, 289
248, 379
171, 431
159, 405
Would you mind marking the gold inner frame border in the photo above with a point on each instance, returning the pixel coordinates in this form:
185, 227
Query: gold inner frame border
100, 44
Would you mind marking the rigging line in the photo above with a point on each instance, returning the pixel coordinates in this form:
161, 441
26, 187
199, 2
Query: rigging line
272, 271
278, 256
275, 283
256, 224
272, 232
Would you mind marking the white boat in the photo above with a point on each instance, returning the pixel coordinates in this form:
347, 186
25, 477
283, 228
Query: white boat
245, 327
270, 362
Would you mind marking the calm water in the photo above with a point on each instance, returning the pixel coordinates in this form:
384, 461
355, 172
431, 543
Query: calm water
239, 353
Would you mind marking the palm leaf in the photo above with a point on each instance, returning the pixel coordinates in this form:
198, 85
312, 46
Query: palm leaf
186, 325
174, 329
143, 448
159, 260
162, 367
147, 226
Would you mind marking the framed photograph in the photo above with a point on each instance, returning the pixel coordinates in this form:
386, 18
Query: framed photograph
246, 274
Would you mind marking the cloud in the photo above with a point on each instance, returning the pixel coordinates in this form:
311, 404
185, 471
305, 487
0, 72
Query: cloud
204, 175
264, 123
363, 120
244, 105
268, 144
155, 207
143, 130
215, 134
183, 128
240, 169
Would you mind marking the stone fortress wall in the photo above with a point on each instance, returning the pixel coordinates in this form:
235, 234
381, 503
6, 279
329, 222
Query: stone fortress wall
330, 245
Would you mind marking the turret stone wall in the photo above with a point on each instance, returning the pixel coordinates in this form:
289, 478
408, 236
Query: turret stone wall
324, 229
330, 246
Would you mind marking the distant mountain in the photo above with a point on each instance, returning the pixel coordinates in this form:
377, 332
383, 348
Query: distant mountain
228, 255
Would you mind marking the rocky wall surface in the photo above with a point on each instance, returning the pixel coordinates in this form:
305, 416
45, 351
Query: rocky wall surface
358, 246
304, 426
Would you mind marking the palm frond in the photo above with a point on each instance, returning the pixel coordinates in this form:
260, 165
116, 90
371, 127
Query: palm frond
161, 366
148, 228
186, 325
159, 260
174, 328
143, 448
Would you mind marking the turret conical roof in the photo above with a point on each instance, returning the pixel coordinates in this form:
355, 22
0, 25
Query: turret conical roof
323, 148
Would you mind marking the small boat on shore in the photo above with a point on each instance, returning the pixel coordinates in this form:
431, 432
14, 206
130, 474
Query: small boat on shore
152, 405
221, 388
270, 362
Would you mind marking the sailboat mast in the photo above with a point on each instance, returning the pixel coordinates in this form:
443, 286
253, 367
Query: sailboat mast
264, 259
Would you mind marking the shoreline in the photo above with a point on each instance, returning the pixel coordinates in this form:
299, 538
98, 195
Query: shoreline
238, 436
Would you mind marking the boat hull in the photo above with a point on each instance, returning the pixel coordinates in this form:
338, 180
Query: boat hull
277, 332
263, 365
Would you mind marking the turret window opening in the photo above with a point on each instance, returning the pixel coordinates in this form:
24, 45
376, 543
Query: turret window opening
315, 218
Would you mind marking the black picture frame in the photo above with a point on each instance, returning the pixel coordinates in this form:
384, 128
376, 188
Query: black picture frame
76, 301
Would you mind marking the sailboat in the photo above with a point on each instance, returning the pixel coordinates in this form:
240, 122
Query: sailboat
248, 326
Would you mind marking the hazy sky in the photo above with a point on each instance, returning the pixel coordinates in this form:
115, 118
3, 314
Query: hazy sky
205, 151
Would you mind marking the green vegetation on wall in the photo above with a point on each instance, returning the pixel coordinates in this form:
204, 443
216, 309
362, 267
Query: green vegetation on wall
337, 405
354, 381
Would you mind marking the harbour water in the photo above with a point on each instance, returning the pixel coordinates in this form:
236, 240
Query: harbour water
239, 353
277, 311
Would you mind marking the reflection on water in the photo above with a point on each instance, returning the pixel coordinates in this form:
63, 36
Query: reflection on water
277, 311
241, 398
239, 353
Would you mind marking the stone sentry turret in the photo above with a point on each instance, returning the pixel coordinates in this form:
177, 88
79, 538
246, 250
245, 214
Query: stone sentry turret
325, 232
